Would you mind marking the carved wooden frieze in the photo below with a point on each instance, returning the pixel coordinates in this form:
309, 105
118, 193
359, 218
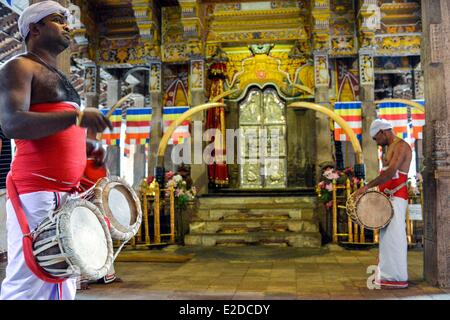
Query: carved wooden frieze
441, 145
439, 43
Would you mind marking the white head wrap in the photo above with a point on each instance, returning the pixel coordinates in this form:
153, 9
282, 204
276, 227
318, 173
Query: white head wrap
379, 124
36, 12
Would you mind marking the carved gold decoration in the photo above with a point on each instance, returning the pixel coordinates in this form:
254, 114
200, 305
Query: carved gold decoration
130, 51
398, 45
245, 69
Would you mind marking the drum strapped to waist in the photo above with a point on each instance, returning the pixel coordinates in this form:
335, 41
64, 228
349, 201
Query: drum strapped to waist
74, 241
372, 210
121, 205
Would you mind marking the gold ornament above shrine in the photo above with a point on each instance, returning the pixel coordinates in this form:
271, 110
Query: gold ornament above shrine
269, 64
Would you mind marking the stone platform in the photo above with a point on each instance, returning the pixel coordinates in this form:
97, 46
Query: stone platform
255, 220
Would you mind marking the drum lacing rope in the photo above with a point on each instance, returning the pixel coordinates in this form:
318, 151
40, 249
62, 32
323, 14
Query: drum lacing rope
390, 193
49, 260
84, 194
27, 240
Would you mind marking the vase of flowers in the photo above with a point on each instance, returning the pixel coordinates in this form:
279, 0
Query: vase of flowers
324, 188
184, 197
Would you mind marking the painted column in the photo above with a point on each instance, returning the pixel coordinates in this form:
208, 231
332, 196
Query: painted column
139, 168
368, 108
369, 22
323, 135
321, 47
91, 86
436, 208
155, 91
199, 171
113, 152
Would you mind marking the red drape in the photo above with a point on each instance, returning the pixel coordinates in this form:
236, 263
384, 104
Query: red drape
217, 172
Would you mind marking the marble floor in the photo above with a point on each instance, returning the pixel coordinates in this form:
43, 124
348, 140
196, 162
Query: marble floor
258, 272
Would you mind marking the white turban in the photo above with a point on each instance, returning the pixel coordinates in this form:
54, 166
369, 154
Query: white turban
36, 12
379, 124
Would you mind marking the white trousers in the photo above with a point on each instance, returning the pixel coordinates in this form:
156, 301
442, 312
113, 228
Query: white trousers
393, 247
20, 283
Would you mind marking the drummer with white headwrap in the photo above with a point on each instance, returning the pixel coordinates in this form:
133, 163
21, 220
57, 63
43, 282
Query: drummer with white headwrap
40, 109
393, 248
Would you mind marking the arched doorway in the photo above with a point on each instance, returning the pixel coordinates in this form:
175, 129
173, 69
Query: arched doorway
262, 124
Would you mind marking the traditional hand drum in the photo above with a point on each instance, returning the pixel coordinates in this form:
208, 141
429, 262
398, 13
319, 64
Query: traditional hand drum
372, 210
74, 241
118, 201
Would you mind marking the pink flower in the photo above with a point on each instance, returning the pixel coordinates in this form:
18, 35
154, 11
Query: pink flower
169, 175
329, 187
331, 174
150, 179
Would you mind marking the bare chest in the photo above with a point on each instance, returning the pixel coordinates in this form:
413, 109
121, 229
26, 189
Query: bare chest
47, 86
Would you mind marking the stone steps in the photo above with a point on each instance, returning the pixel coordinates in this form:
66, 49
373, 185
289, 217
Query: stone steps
255, 220
252, 213
257, 202
305, 240
247, 226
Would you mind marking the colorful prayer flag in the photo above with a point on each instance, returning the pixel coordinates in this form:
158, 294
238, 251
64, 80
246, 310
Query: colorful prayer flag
138, 128
351, 113
397, 114
109, 137
181, 133
418, 121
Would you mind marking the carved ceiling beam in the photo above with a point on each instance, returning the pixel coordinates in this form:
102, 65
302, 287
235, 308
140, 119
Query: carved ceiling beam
321, 14
146, 19
369, 21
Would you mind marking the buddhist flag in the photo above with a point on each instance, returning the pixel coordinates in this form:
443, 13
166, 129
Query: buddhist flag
138, 125
351, 113
418, 121
397, 114
112, 138
182, 131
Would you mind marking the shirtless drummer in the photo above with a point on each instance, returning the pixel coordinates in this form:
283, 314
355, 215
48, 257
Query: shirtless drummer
39, 108
393, 247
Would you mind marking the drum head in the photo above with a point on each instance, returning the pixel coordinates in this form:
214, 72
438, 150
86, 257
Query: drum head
374, 210
118, 201
85, 238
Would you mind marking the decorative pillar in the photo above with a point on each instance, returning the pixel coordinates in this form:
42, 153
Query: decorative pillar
323, 135
199, 172
113, 152
91, 86
321, 47
192, 23
139, 168
436, 208
155, 91
368, 109
369, 22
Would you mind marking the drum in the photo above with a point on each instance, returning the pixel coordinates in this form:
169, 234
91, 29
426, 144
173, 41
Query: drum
119, 202
372, 210
74, 241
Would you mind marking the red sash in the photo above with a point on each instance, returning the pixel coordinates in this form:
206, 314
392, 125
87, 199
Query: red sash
27, 240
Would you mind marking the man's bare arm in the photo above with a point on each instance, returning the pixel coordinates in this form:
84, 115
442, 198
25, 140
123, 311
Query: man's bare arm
16, 120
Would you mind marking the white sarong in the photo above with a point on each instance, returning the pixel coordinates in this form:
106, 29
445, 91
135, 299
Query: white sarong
20, 283
393, 249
